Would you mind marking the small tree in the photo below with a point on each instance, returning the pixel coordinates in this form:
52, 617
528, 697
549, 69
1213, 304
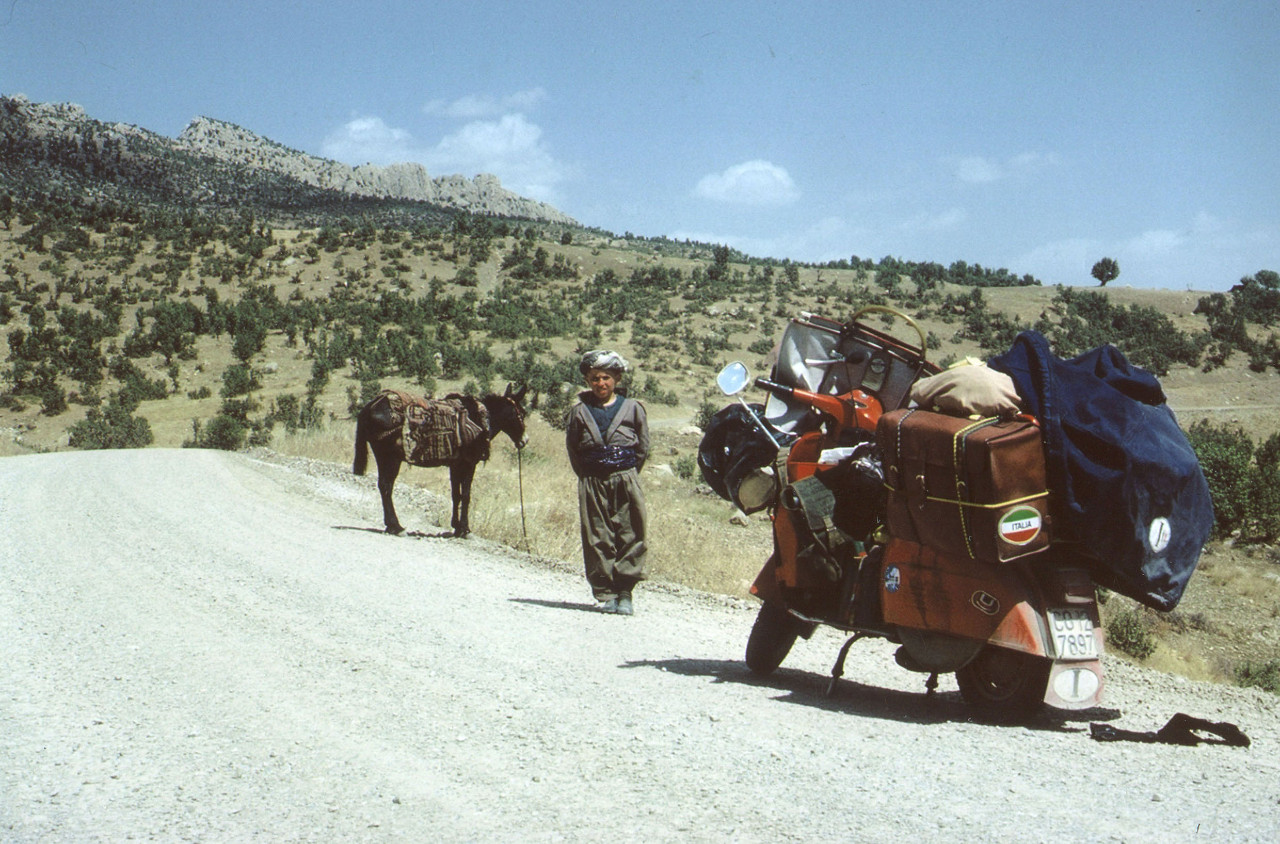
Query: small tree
1264, 494
1226, 456
112, 426
249, 338
238, 380
1105, 270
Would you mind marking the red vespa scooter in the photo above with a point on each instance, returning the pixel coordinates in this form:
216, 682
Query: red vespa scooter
1017, 634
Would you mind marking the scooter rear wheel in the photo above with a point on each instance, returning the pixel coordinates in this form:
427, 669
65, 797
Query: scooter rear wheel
1004, 684
772, 636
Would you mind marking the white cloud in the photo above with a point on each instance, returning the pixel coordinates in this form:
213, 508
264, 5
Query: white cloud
976, 170
827, 239
755, 182
936, 222
476, 106
496, 138
368, 140
1154, 244
979, 170
510, 147
1066, 261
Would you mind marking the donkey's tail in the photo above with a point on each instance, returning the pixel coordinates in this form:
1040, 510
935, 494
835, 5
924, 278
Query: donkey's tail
361, 461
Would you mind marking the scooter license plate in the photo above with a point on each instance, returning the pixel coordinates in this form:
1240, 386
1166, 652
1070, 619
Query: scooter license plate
1073, 634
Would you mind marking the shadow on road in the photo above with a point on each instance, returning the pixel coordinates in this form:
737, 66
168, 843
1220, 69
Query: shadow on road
410, 534
557, 605
808, 689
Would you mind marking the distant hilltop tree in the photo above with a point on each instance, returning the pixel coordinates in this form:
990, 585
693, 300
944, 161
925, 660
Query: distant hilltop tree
1106, 270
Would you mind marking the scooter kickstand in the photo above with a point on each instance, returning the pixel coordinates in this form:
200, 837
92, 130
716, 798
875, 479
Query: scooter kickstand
837, 671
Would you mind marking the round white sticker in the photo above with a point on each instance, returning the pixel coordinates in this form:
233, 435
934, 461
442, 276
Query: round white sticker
1159, 534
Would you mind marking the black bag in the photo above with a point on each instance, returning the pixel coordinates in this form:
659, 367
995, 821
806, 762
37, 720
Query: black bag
1127, 494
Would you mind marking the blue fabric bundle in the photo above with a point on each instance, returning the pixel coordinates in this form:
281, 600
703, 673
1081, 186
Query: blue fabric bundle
1127, 494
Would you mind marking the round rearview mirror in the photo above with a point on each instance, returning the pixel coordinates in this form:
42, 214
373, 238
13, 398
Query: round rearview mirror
733, 378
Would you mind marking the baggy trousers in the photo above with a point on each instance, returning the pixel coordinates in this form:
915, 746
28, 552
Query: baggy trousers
612, 512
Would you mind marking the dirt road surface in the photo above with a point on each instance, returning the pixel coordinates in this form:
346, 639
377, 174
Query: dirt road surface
202, 646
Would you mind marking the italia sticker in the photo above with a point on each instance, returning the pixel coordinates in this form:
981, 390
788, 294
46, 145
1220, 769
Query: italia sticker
1020, 525
892, 579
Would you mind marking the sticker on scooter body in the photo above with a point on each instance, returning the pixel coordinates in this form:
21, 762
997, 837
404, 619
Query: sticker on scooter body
892, 579
1020, 526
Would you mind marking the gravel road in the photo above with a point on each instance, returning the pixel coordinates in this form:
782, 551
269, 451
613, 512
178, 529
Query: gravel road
202, 646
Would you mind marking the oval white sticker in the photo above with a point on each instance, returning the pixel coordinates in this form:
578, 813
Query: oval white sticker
1159, 534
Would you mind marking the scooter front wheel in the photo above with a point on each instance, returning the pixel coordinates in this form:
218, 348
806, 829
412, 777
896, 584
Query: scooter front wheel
1004, 683
772, 636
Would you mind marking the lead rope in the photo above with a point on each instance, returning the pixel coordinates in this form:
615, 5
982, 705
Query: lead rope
524, 531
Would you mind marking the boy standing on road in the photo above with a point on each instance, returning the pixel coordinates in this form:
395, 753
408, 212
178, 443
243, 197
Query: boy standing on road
608, 442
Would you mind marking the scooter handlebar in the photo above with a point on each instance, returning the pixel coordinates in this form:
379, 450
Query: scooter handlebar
856, 410
775, 387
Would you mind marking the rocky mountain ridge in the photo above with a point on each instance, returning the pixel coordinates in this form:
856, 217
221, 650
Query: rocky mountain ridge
484, 194
57, 148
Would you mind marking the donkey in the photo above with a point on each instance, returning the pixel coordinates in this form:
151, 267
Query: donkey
380, 427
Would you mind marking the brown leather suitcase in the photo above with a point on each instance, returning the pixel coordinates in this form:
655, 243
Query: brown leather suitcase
972, 488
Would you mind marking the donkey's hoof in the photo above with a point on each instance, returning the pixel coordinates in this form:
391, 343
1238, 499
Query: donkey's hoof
461, 534
395, 530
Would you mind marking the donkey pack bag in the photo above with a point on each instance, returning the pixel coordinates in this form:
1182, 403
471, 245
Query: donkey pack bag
434, 430
965, 487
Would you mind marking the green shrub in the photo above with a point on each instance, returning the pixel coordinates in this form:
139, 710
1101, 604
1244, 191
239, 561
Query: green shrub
1128, 631
1226, 456
53, 399
239, 380
651, 391
112, 426
685, 467
1265, 675
224, 431
706, 410
554, 405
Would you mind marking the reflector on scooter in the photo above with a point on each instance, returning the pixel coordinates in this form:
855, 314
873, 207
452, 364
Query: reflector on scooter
1075, 685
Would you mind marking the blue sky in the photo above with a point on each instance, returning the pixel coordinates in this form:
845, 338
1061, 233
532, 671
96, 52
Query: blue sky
1035, 136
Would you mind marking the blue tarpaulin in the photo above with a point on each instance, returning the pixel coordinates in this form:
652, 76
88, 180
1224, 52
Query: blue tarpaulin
1127, 494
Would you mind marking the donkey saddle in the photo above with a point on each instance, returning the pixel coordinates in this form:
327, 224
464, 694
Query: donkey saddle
436, 431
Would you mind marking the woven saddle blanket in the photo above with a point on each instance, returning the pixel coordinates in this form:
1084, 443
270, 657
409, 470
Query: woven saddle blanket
436, 431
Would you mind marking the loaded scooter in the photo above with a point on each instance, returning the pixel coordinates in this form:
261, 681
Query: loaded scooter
893, 522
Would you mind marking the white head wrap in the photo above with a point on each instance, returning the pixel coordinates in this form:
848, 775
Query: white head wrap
605, 359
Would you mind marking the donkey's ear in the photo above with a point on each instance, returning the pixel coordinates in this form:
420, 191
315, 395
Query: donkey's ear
519, 395
510, 391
